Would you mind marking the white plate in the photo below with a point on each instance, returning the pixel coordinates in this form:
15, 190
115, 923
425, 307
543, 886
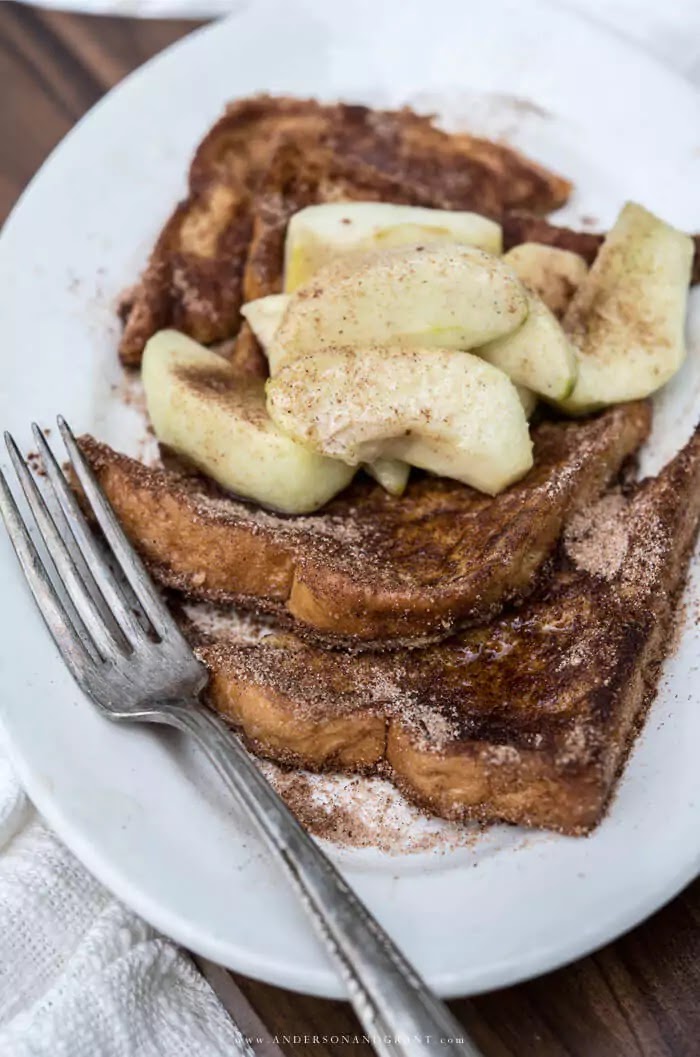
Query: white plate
135, 806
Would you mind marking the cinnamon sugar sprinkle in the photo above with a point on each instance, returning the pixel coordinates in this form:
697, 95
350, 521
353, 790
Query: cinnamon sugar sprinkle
596, 539
230, 626
357, 811
342, 529
614, 539
361, 812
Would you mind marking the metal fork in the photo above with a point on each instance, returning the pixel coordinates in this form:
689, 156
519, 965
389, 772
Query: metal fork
145, 671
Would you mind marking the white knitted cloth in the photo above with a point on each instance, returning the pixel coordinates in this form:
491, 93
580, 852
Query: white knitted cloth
81, 976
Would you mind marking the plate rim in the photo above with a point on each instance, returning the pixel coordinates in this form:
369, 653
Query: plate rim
316, 982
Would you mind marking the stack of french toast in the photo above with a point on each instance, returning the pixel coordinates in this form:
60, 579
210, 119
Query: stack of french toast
399, 411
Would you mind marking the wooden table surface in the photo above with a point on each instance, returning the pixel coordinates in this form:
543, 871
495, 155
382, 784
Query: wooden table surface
638, 997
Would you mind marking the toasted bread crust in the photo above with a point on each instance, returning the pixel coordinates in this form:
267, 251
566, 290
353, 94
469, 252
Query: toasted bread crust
371, 570
195, 277
527, 720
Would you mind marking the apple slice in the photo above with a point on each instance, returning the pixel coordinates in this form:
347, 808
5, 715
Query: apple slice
320, 234
218, 420
450, 296
451, 413
548, 271
528, 399
264, 316
391, 474
627, 318
538, 355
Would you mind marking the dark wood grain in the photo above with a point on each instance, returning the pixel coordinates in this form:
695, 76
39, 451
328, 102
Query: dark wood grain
638, 997
53, 67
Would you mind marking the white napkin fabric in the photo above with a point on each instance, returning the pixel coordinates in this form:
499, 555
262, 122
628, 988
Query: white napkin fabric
81, 976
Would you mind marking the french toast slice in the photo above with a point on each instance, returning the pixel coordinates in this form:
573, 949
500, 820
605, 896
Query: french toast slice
194, 278
371, 570
528, 719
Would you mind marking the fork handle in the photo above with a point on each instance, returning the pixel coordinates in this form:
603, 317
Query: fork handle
395, 1007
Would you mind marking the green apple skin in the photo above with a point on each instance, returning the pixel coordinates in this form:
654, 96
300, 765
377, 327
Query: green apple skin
627, 319
219, 422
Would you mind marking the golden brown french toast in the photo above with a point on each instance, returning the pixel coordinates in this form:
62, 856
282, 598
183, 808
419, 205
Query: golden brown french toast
370, 570
194, 278
528, 719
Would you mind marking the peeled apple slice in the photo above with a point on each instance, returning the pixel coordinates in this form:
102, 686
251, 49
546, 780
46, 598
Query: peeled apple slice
548, 271
627, 318
391, 474
452, 297
528, 399
264, 316
320, 234
218, 420
537, 355
453, 414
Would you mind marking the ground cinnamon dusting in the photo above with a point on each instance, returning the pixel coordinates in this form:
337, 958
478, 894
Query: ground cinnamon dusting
342, 684
596, 539
360, 812
342, 529
36, 463
209, 621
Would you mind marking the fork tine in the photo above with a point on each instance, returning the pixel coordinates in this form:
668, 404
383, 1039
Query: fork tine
72, 650
85, 551
64, 564
129, 561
